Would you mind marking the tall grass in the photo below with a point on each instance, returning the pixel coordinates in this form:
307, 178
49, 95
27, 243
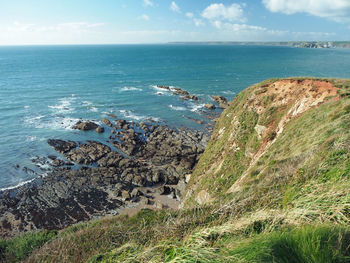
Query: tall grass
321, 244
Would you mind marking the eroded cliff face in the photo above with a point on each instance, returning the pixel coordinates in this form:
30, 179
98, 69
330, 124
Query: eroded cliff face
273, 135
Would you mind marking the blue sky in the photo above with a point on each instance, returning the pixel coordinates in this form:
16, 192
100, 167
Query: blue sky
159, 21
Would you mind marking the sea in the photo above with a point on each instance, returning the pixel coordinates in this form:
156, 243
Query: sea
45, 90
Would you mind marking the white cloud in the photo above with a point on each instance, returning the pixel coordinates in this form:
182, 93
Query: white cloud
174, 7
147, 2
189, 15
79, 25
20, 27
144, 17
217, 24
216, 11
71, 26
198, 22
337, 10
243, 27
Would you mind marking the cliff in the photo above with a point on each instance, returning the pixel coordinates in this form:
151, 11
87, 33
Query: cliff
272, 186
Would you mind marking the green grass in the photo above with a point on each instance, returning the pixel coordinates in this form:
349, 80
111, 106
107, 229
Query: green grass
322, 244
309, 244
17, 249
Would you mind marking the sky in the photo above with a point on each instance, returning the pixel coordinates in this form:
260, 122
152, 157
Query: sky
42, 22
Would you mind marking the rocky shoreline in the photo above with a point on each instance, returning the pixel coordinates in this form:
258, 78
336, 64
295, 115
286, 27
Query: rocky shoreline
136, 165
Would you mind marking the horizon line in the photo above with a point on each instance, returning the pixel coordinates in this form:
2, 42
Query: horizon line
175, 42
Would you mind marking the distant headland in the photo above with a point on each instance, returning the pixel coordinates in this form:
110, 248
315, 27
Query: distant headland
298, 44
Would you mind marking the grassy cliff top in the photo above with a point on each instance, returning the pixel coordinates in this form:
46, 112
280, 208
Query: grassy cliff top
272, 186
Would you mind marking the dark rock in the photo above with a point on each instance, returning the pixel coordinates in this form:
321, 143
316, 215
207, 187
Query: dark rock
85, 126
61, 146
88, 153
52, 157
179, 91
222, 101
154, 155
163, 87
136, 193
190, 97
112, 115
107, 122
126, 195
164, 190
144, 200
210, 106
100, 129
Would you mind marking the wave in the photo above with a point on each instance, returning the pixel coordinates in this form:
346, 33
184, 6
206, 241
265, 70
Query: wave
177, 108
93, 109
64, 105
229, 92
52, 123
196, 107
131, 115
31, 138
17, 185
24, 182
161, 89
86, 103
130, 89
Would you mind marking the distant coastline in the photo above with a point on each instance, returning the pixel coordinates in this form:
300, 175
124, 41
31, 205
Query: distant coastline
298, 44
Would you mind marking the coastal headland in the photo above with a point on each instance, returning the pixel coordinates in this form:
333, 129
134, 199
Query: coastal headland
270, 185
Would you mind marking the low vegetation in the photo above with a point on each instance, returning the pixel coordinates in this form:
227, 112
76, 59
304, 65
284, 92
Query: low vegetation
272, 186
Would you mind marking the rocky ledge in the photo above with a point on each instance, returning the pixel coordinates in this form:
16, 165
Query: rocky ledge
137, 163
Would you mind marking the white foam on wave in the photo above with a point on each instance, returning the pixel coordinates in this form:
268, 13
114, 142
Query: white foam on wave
23, 183
58, 123
53, 123
89, 106
229, 92
27, 107
160, 89
31, 138
196, 107
177, 108
93, 109
33, 120
85, 102
131, 115
18, 185
64, 105
130, 89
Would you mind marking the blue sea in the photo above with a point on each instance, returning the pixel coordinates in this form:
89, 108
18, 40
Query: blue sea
44, 90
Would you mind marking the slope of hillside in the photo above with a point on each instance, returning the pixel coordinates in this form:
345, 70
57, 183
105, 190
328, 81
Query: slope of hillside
272, 186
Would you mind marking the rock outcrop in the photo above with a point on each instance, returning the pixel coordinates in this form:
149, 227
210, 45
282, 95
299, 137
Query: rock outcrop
113, 175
